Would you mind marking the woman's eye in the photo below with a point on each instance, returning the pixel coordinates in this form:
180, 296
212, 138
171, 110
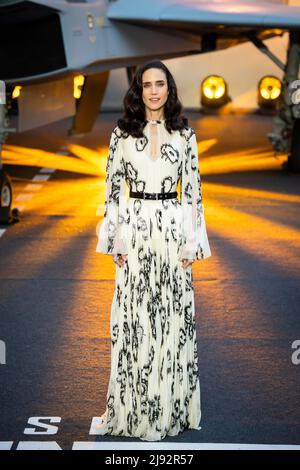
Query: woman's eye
160, 84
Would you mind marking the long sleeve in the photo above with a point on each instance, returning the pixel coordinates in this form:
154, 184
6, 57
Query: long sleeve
111, 231
195, 241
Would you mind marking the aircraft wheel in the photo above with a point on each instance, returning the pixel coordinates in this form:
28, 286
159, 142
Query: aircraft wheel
6, 194
293, 162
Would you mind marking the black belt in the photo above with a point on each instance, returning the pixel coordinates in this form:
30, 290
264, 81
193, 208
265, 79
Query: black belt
153, 195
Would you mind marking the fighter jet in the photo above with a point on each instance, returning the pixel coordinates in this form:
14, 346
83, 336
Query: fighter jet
44, 44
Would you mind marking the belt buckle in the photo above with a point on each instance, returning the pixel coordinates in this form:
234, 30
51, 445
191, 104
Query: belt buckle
144, 195
156, 196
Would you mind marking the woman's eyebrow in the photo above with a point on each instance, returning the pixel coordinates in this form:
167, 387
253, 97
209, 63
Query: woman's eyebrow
157, 81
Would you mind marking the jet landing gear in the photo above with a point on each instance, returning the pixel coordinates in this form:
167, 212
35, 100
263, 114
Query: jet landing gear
7, 214
285, 135
293, 162
286, 126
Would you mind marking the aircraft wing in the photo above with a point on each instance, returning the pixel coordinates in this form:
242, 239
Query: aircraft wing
195, 15
47, 42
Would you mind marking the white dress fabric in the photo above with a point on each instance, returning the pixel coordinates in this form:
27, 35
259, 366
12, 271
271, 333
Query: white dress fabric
154, 387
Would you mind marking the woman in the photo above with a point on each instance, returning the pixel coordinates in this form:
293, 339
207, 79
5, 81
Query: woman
154, 238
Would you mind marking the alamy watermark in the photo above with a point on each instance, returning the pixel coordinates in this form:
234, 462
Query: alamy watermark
2, 352
296, 354
295, 91
2, 92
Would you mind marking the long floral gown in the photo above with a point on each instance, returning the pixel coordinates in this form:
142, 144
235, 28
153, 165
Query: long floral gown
154, 387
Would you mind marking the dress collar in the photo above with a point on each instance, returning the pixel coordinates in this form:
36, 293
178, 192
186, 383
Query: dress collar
155, 121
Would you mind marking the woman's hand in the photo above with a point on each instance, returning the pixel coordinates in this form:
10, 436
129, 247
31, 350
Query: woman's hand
186, 262
119, 259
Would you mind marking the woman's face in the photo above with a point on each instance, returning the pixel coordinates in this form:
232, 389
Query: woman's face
155, 89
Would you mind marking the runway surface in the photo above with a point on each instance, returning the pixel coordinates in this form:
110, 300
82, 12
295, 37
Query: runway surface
56, 291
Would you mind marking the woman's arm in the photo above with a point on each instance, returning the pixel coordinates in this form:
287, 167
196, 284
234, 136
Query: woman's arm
195, 240
111, 239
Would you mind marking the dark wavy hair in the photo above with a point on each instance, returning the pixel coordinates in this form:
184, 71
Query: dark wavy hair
134, 120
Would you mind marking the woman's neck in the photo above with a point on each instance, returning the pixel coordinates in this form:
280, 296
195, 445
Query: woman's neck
155, 115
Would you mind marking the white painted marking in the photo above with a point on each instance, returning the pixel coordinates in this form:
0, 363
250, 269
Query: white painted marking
86, 445
24, 197
6, 445
40, 177
47, 170
37, 421
38, 445
33, 187
96, 421
2, 231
